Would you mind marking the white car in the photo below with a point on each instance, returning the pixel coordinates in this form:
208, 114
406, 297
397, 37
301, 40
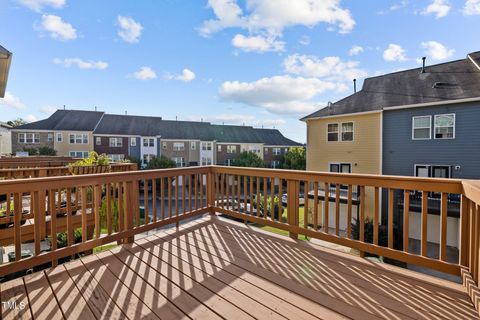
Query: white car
301, 199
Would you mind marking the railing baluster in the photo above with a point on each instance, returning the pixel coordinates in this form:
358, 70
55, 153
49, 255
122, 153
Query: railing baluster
362, 214
390, 217
154, 199
471, 236
201, 190
184, 188
443, 227
97, 203
250, 195
145, 201
136, 202
326, 200
53, 223
83, 199
292, 205
108, 190
70, 236
376, 214
257, 179
245, 187
217, 189
349, 211
464, 224
272, 198
475, 242
34, 204
162, 197
17, 238
227, 193
177, 196
280, 203
121, 212
337, 209
406, 216
424, 223
169, 192
315, 206
265, 203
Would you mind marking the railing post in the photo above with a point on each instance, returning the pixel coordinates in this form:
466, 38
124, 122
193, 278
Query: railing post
129, 209
292, 205
210, 191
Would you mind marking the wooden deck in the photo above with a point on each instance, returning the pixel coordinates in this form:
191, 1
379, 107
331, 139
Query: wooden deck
212, 269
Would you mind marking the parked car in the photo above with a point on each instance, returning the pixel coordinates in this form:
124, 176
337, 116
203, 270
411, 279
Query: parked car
301, 199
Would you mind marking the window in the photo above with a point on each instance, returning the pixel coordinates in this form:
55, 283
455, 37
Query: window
29, 138
147, 158
50, 137
432, 171
347, 131
178, 146
149, 142
332, 132
206, 161
133, 142
206, 146
164, 145
116, 157
444, 126
115, 142
421, 127
265, 150
179, 161
219, 148
59, 137
341, 167
98, 141
193, 145
276, 151
254, 149
228, 162
275, 164
79, 154
231, 149
80, 138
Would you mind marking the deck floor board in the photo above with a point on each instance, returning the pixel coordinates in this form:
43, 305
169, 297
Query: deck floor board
211, 268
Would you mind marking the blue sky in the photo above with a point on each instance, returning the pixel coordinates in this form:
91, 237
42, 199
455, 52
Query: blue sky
258, 62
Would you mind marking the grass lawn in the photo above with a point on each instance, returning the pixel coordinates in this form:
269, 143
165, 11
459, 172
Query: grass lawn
104, 248
301, 212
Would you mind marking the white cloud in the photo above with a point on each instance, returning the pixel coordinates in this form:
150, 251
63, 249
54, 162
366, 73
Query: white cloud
238, 119
48, 110
394, 52
30, 118
266, 17
355, 50
439, 8
257, 43
81, 64
11, 101
437, 51
304, 40
37, 5
145, 73
395, 7
472, 7
130, 30
329, 68
187, 75
57, 28
278, 94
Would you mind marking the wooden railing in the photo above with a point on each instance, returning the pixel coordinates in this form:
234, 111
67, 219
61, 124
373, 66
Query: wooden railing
103, 207
116, 206
35, 161
37, 172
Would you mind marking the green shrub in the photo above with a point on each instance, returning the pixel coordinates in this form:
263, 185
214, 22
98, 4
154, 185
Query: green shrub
47, 151
277, 207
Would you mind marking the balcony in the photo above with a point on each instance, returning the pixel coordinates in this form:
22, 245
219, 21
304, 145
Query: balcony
179, 257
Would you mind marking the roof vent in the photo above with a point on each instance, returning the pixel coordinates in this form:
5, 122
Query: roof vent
438, 85
423, 64
354, 85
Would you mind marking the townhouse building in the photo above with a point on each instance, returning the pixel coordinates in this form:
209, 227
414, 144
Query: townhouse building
417, 122
188, 143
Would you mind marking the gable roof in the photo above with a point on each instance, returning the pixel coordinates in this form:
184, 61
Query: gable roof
273, 137
452, 80
128, 125
71, 120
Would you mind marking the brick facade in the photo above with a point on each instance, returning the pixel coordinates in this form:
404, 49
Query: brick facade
104, 146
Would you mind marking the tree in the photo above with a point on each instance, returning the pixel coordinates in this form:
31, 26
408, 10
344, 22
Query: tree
248, 159
16, 122
161, 162
47, 151
295, 159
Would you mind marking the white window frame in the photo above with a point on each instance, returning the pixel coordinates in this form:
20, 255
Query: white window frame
84, 154
229, 148
164, 145
341, 131
113, 142
435, 126
206, 146
430, 168
429, 128
22, 138
206, 161
179, 146
83, 137
229, 162
275, 164
59, 137
276, 151
338, 132
133, 142
116, 157
193, 145
219, 148
98, 141
181, 162
50, 137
